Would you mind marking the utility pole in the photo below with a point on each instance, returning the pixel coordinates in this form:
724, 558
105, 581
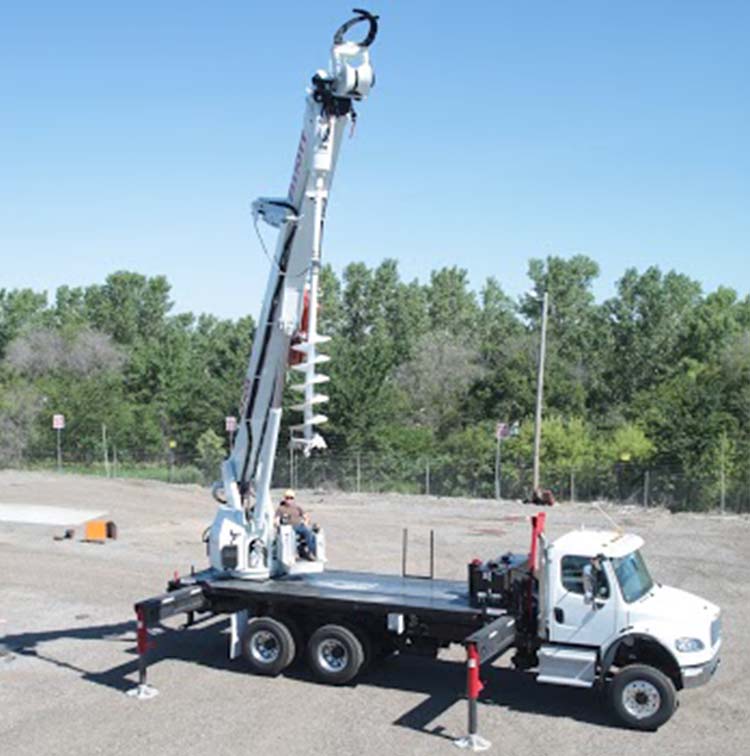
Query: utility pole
540, 392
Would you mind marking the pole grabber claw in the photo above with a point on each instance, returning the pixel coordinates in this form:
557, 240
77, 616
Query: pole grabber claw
362, 16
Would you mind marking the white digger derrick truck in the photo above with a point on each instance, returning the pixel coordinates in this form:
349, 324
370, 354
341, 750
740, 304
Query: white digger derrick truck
581, 611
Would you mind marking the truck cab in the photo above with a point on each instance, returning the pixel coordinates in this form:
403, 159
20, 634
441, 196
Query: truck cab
603, 620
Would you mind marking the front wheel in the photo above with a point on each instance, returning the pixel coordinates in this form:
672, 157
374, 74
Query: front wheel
642, 697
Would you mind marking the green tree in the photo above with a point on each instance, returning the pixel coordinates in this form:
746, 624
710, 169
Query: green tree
436, 380
211, 453
19, 309
128, 306
628, 443
576, 332
649, 321
451, 304
362, 395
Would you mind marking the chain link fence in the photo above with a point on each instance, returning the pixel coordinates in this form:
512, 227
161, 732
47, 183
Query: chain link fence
376, 472
169, 467
369, 471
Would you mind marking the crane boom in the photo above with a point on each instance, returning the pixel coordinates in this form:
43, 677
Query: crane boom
243, 539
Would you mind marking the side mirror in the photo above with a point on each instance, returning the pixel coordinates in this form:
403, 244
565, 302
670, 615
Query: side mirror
589, 584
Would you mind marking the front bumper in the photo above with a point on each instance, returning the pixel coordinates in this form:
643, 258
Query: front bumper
692, 677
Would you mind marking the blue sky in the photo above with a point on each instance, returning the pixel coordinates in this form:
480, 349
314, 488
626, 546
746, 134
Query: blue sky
134, 136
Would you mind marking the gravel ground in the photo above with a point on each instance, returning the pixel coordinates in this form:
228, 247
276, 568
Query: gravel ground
66, 614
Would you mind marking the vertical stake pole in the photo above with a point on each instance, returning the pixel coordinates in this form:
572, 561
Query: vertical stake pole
359, 472
404, 547
59, 451
427, 477
432, 554
646, 481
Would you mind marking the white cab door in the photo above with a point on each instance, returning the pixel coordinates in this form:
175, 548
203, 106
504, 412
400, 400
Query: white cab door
572, 619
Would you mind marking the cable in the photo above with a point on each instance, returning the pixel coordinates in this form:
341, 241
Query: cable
263, 243
303, 271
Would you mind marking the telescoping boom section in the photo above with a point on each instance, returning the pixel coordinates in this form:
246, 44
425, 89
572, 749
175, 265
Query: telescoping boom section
244, 541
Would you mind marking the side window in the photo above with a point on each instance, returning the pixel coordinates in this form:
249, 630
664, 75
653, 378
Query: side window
571, 571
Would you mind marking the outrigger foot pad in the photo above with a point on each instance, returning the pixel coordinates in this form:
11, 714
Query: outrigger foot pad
143, 692
473, 743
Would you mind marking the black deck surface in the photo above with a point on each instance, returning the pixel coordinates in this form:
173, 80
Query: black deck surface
362, 588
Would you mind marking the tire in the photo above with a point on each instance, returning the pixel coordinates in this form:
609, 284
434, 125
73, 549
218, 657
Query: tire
268, 646
335, 654
369, 655
296, 633
643, 698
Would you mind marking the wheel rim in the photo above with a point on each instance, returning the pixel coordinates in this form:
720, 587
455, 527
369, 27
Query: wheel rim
264, 647
332, 655
641, 699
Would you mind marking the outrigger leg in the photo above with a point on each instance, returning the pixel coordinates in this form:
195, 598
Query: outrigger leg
473, 741
143, 691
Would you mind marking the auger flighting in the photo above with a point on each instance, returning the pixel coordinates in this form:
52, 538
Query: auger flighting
244, 540
307, 346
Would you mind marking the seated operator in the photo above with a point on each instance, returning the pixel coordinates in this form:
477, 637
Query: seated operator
290, 513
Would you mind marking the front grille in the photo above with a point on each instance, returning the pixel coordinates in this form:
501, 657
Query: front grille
715, 631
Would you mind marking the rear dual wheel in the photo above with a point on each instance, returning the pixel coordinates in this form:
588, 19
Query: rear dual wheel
335, 654
268, 646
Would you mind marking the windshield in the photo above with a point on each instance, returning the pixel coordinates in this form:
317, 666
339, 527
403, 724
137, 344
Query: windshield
632, 575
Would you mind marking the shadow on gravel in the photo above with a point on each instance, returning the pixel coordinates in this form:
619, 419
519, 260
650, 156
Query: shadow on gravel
32, 645
203, 645
441, 681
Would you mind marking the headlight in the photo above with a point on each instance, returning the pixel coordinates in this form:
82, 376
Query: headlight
686, 645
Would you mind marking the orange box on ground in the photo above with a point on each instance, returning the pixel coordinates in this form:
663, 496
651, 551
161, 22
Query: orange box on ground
96, 530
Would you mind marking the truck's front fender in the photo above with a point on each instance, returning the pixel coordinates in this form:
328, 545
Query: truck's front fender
649, 650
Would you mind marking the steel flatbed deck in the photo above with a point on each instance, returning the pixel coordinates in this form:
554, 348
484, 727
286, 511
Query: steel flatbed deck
334, 592
355, 590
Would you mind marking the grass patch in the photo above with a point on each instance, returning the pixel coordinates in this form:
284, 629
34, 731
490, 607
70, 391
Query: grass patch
178, 474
